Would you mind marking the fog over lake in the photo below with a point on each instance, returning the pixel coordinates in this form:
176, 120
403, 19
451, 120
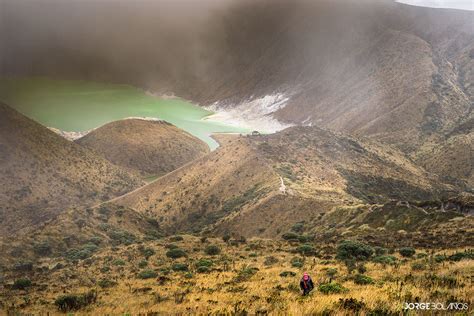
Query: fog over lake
451, 4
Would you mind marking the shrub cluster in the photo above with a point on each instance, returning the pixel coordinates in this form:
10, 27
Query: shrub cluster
176, 238
147, 252
331, 288
42, 248
21, 284
82, 253
179, 267
212, 250
203, 266
106, 283
306, 250
407, 252
297, 262
285, 274
70, 302
176, 253
390, 260
147, 274
362, 279
354, 250
120, 237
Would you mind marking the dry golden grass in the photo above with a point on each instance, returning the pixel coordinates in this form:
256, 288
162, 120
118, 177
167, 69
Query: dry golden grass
218, 292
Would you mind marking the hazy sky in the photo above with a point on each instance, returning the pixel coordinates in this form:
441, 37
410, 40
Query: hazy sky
454, 4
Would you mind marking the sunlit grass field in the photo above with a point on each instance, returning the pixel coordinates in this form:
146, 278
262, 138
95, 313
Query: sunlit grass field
254, 277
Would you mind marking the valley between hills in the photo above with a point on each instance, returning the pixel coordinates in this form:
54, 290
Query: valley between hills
259, 207
365, 181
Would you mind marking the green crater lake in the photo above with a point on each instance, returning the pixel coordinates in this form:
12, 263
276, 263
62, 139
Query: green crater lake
79, 106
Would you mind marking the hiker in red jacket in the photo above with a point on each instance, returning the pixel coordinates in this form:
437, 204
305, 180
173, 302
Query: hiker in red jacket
306, 284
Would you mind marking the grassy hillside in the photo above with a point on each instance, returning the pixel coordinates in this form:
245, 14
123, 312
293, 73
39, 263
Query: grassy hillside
307, 189
451, 157
255, 276
152, 148
42, 174
261, 185
398, 73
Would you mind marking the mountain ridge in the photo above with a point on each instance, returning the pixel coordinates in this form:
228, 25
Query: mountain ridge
44, 174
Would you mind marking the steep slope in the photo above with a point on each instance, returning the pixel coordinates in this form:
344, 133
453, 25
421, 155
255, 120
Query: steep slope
43, 174
151, 148
259, 185
452, 157
398, 73
78, 233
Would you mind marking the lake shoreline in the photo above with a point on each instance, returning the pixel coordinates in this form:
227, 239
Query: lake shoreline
73, 108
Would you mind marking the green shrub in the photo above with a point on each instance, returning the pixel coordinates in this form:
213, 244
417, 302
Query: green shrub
226, 238
458, 256
147, 252
72, 302
118, 262
286, 274
362, 279
165, 271
152, 235
188, 275
179, 267
331, 288
121, 237
418, 266
385, 260
42, 248
147, 274
21, 284
296, 262
306, 250
176, 238
82, 253
212, 250
407, 252
203, 263
440, 258
153, 222
290, 236
96, 240
305, 238
175, 253
380, 251
142, 264
203, 269
298, 227
105, 269
350, 265
90, 247
331, 272
353, 250
106, 283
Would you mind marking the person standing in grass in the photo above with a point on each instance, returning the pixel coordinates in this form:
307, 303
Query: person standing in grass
306, 284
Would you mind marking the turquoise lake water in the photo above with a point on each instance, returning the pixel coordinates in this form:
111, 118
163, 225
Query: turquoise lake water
78, 106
